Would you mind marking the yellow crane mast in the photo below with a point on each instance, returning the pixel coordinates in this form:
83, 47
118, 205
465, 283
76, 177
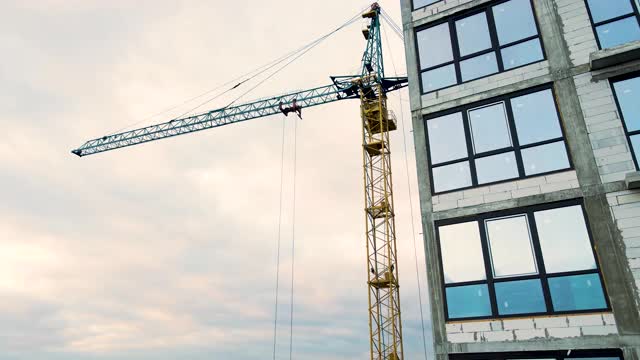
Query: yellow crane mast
385, 325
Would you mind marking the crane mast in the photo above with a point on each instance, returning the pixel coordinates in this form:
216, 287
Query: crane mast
371, 87
385, 325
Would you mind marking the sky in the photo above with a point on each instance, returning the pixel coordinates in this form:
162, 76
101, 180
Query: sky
168, 250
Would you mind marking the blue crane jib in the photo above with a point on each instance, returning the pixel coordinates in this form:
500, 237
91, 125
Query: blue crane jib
342, 88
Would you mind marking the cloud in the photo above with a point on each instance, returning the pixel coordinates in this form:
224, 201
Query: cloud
168, 250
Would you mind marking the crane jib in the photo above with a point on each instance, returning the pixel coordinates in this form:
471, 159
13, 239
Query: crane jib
343, 88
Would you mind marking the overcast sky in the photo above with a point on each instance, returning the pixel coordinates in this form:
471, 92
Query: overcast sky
168, 250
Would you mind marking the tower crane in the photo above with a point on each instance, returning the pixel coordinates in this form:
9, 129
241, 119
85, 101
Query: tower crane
371, 87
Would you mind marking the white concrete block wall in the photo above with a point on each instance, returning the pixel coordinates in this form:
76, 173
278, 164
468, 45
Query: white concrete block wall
605, 128
440, 7
577, 30
532, 328
479, 86
505, 191
625, 207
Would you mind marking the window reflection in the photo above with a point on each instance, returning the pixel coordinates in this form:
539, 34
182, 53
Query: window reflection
520, 297
618, 32
536, 117
439, 78
468, 301
522, 54
434, 46
478, 66
446, 138
635, 144
545, 158
628, 93
575, 293
454, 176
473, 34
606, 9
489, 128
568, 279
454, 239
514, 21
485, 138
496, 168
564, 240
472, 52
510, 246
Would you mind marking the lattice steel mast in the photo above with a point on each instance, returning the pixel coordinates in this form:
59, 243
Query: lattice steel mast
385, 325
370, 86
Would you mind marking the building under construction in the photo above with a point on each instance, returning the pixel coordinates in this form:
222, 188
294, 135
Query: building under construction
527, 131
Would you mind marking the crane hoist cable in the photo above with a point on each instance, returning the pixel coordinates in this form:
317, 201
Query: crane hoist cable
275, 317
293, 233
413, 227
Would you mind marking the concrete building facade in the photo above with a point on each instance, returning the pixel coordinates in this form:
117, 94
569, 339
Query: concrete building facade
526, 117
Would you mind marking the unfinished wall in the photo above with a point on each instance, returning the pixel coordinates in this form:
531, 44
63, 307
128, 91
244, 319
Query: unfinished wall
558, 327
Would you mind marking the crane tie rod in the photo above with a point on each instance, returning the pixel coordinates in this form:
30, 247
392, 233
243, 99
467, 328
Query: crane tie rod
306, 49
239, 81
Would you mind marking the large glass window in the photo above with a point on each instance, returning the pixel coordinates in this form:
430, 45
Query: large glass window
461, 236
510, 246
615, 21
495, 38
560, 354
564, 240
511, 137
627, 92
537, 260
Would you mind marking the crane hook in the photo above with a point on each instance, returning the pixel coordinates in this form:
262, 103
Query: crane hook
293, 108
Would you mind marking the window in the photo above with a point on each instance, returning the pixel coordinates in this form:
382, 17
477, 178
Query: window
487, 41
417, 4
615, 22
538, 260
566, 354
627, 91
511, 137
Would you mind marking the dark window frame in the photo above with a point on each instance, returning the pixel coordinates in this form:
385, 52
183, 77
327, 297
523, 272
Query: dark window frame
628, 134
495, 45
542, 274
414, 8
552, 354
635, 13
516, 147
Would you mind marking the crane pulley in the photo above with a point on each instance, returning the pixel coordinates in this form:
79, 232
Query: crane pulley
371, 87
